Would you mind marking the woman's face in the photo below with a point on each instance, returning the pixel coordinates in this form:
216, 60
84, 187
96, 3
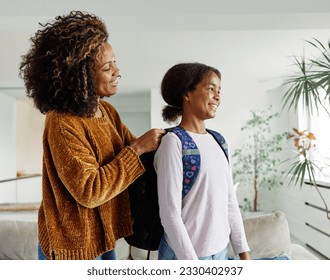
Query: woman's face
205, 99
106, 72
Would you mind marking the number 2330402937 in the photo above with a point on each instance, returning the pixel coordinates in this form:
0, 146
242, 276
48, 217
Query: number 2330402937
220, 270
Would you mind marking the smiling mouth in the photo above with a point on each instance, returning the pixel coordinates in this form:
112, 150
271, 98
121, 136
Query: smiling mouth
214, 106
115, 82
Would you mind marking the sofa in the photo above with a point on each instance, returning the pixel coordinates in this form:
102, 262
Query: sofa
268, 237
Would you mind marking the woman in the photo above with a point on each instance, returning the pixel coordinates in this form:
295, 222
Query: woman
200, 225
89, 156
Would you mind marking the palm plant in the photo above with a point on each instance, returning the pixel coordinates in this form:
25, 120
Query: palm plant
310, 87
312, 78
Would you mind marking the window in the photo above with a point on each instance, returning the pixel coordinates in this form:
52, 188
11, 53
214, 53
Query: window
319, 124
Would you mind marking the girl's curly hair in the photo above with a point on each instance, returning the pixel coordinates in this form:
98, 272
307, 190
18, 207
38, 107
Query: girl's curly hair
58, 69
178, 80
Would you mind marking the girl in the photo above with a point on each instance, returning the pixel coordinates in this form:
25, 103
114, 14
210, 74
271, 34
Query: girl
200, 225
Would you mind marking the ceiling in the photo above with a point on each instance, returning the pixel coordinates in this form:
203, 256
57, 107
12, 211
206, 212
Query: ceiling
247, 37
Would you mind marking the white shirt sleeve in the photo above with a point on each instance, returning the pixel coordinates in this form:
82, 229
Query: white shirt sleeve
168, 165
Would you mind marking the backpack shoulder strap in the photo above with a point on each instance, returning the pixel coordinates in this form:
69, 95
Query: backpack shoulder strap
221, 141
191, 158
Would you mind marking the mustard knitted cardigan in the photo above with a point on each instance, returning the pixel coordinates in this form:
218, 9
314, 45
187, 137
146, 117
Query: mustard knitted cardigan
87, 167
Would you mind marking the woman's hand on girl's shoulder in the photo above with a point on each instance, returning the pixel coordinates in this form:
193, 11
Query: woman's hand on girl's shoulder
148, 142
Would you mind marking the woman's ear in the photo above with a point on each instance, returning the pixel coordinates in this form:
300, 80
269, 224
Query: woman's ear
186, 97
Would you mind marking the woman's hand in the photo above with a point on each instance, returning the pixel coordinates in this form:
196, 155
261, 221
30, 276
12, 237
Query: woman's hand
148, 142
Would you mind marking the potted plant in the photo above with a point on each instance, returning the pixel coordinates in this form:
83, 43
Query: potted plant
310, 88
255, 164
304, 163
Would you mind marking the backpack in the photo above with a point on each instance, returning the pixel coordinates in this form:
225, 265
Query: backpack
147, 227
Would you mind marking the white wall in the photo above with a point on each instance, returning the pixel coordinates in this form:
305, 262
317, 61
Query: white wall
29, 130
134, 111
156, 106
7, 137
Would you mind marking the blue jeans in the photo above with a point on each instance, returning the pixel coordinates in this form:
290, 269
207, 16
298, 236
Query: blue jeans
165, 252
110, 255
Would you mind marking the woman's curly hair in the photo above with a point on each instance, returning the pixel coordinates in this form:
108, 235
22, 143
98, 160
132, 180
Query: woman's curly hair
58, 69
177, 82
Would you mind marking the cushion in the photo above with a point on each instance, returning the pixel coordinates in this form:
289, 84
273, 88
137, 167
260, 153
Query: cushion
18, 240
268, 236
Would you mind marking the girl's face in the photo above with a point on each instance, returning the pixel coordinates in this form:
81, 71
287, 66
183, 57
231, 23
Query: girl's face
205, 99
106, 72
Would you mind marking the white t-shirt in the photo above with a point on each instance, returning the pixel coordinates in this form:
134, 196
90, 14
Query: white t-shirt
208, 217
